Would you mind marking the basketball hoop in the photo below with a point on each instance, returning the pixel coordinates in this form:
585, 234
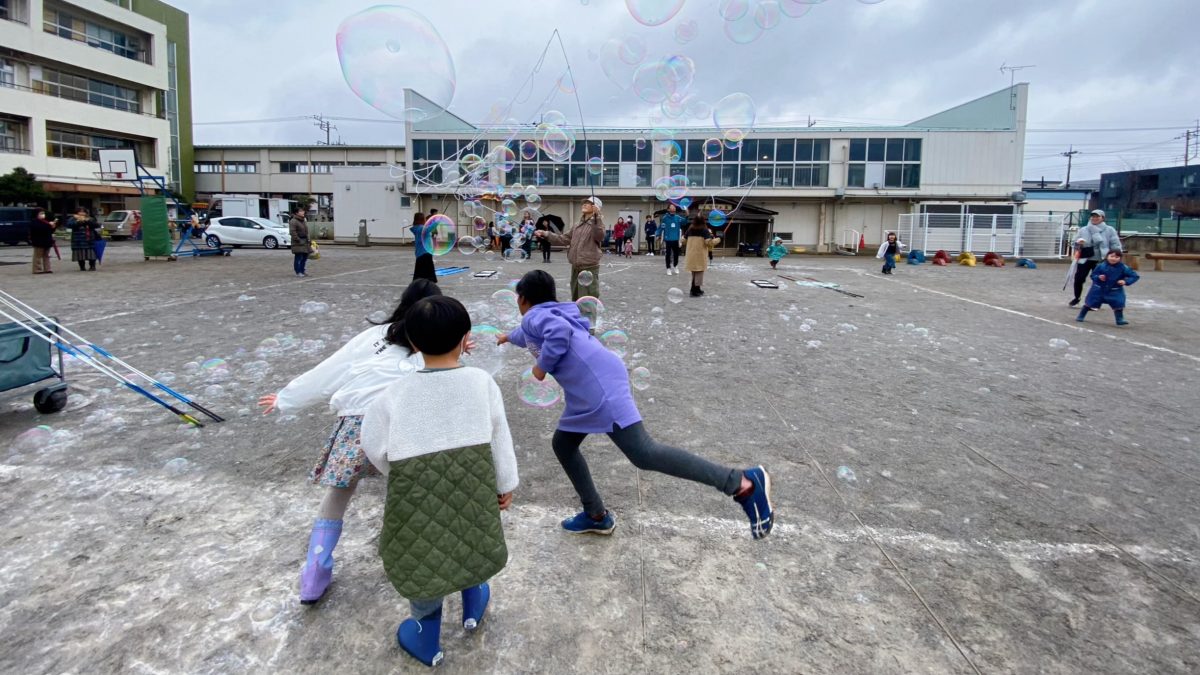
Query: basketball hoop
107, 177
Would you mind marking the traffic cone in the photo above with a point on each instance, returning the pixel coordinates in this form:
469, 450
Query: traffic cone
862, 241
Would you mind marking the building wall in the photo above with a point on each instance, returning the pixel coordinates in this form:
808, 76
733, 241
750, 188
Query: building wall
34, 52
178, 28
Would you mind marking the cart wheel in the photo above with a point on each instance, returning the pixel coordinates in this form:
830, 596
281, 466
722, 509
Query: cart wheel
227, 253
50, 400
147, 257
171, 258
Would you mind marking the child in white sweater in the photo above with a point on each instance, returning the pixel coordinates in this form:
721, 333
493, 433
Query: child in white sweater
349, 380
449, 476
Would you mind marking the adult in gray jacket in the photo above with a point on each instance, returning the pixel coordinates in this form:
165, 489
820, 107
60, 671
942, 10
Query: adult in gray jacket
1094, 242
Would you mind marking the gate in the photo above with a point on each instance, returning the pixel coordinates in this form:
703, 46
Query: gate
1023, 236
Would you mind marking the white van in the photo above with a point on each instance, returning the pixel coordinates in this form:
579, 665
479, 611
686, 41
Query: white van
121, 224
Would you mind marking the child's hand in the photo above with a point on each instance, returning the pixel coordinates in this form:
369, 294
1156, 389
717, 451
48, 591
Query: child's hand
1102, 277
539, 373
268, 402
1121, 282
505, 500
468, 345
501, 340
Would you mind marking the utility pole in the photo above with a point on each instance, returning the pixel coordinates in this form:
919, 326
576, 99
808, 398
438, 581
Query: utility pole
1069, 154
324, 125
1188, 135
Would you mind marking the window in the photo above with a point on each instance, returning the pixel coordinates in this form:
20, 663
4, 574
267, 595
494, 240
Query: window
12, 10
8, 72
881, 162
1147, 182
87, 90
364, 163
71, 27
13, 135
227, 167
1187, 180
86, 146
306, 167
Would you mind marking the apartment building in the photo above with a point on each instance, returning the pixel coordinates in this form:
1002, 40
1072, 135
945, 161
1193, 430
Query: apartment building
80, 76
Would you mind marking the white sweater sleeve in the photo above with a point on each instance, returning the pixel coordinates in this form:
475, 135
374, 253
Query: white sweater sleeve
882, 250
503, 455
375, 429
323, 380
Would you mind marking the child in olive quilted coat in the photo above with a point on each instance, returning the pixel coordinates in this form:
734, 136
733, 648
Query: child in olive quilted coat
447, 481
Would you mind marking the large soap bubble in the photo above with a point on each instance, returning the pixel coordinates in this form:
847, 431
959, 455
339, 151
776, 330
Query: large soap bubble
653, 12
735, 111
743, 31
386, 49
440, 235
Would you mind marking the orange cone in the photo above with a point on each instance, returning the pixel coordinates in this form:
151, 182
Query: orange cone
862, 241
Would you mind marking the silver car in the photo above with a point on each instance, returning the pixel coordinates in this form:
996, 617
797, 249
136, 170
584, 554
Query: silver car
238, 231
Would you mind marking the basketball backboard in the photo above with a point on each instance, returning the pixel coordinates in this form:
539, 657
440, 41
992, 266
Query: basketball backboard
121, 163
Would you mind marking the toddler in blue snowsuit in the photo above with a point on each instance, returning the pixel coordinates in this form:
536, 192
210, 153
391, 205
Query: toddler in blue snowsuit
1109, 280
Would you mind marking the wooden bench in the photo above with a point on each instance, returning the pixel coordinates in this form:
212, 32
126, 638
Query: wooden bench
1158, 258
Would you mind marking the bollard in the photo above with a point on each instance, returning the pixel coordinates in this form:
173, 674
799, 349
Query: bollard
364, 239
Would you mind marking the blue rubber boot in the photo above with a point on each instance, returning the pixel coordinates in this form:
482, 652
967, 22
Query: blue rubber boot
1121, 317
475, 601
422, 638
318, 566
1082, 314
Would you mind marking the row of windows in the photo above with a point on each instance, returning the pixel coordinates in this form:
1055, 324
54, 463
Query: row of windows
227, 167
878, 174
87, 90
885, 150
70, 144
66, 25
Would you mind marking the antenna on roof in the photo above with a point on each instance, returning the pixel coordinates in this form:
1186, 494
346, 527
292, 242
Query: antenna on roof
1012, 82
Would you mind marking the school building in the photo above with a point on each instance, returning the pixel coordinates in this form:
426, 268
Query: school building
80, 76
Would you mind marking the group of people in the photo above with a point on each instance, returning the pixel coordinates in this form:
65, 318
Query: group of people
410, 362
86, 241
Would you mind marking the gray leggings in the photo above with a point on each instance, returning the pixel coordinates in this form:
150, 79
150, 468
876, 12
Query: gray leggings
646, 454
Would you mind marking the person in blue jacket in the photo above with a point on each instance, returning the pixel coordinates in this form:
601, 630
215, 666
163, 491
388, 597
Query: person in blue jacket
776, 251
1109, 280
670, 227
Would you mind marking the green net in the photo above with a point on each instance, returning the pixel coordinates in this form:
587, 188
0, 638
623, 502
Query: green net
156, 234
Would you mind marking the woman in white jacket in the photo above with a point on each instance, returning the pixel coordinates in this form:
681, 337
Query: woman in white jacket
349, 379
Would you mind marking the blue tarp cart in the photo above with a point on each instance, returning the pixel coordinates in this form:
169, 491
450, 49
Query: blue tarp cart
27, 359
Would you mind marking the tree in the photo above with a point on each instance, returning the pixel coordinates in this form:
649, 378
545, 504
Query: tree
21, 187
305, 201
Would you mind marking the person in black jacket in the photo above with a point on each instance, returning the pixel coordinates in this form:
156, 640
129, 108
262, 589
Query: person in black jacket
84, 233
41, 235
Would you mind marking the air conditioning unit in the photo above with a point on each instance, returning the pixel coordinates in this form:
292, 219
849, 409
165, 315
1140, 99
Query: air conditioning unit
839, 192
1018, 197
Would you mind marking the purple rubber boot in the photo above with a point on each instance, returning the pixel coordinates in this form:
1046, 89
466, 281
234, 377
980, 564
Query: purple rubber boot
318, 566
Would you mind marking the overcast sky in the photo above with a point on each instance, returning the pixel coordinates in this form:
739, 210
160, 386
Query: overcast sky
1100, 64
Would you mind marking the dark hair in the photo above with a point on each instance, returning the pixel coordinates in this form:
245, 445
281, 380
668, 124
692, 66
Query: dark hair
418, 218
1115, 251
699, 226
537, 286
435, 325
432, 212
418, 290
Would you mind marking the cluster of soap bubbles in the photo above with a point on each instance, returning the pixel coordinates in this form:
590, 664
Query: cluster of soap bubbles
671, 188
314, 307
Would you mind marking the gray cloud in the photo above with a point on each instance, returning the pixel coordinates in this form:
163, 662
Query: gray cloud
1100, 64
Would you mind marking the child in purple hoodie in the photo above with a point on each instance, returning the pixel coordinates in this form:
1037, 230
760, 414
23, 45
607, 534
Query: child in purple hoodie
596, 388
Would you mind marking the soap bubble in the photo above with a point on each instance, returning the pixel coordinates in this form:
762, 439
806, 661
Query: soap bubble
768, 14
616, 341
515, 255
671, 151
646, 85
631, 49
440, 235
653, 12
640, 143
796, 8
489, 255
676, 73
533, 199
640, 378
743, 31
1058, 343
735, 111
586, 278
214, 391
713, 148
595, 166
486, 355
176, 466
557, 142
592, 309
675, 296
166, 377
504, 306
539, 394
529, 150
686, 31
37, 438
468, 245
846, 475
503, 158
314, 307
385, 49
213, 364
732, 10
717, 218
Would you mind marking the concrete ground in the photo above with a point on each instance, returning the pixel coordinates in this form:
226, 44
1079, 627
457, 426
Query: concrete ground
966, 479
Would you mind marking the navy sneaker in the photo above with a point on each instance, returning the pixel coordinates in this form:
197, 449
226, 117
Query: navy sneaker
582, 523
758, 503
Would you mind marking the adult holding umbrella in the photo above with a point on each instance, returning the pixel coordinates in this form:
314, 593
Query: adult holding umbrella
584, 251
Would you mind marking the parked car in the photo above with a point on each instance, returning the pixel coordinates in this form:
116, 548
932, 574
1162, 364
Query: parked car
238, 231
121, 224
15, 222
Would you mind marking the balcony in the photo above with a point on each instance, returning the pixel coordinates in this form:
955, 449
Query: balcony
96, 36
98, 99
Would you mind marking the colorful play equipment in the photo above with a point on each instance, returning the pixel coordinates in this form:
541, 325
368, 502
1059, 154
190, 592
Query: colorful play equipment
993, 259
966, 258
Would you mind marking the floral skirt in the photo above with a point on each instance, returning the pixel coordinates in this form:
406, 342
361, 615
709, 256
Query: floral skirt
343, 460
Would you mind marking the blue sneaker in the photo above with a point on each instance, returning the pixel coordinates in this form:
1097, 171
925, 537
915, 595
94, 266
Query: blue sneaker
582, 523
758, 503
